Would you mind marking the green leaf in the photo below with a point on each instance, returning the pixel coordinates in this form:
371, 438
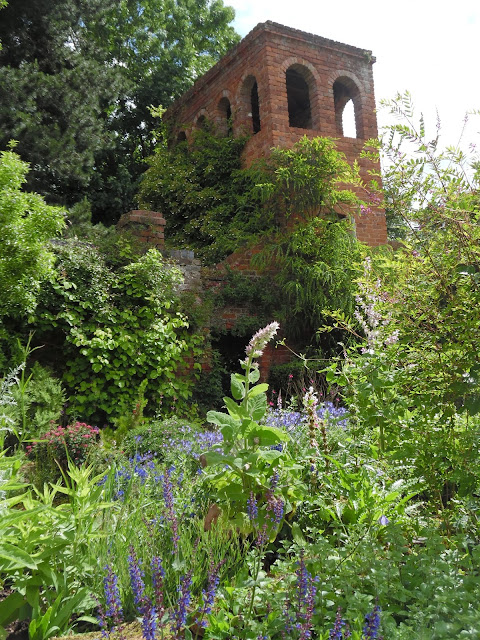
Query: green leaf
298, 535
223, 420
234, 409
267, 436
260, 388
258, 406
254, 376
17, 558
10, 606
270, 455
237, 387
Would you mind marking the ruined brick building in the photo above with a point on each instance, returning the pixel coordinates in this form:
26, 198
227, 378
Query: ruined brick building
280, 84
277, 85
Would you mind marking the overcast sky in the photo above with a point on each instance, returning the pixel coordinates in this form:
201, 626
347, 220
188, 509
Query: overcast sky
430, 47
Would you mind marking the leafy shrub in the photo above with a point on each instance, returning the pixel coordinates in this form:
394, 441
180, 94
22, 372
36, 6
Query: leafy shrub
63, 444
116, 328
209, 200
45, 399
26, 224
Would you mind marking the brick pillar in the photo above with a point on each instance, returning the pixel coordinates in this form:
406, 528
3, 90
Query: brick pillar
148, 226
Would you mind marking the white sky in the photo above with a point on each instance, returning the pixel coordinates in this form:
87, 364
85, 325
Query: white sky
430, 47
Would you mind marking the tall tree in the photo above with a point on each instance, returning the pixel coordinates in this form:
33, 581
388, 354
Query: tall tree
77, 78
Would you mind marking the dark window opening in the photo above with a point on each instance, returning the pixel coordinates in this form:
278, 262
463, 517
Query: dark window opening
298, 98
182, 137
201, 122
225, 116
255, 108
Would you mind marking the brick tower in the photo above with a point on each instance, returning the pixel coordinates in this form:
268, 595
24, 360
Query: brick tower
279, 84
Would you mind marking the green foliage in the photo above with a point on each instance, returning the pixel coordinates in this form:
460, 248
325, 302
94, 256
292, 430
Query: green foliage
416, 382
116, 329
26, 225
130, 55
46, 399
43, 552
256, 295
250, 460
315, 267
209, 200
30, 403
304, 181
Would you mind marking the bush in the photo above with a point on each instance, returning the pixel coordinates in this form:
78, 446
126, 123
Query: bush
115, 328
61, 445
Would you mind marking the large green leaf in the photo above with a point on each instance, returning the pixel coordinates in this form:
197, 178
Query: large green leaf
9, 607
258, 406
15, 558
255, 391
223, 420
237, 386
267, 436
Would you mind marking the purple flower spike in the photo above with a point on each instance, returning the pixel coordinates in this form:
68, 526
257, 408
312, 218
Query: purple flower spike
372, 624
112, 596
169, 504
252, 507
210, 593
158, 575
337, 632
180, 613
149, 620
136, 579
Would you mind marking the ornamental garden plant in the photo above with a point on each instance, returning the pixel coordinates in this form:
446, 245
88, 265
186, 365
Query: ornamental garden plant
347, 509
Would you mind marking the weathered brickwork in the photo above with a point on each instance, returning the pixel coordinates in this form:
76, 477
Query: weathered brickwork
147, 226
277, 85
280, 84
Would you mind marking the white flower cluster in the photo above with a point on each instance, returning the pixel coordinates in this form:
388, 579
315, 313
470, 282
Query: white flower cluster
258, 342
367, 315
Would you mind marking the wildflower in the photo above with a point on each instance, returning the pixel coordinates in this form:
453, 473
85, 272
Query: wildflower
112, 597
252, 507
210, 593
158, 575
262, 536
258, 342
169, 503
383, 520
306, 592
180, 613
136, 580
337, 632
372, 624
149, 620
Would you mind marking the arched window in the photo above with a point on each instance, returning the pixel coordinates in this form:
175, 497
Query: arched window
250, 104
298, 98
225, 117
201, 122
346, 98
255, 104
181, 137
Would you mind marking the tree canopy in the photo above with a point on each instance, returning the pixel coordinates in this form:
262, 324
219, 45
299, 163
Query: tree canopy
77, 78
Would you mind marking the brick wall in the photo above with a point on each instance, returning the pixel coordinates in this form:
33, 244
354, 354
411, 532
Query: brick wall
332, 73
147, 226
